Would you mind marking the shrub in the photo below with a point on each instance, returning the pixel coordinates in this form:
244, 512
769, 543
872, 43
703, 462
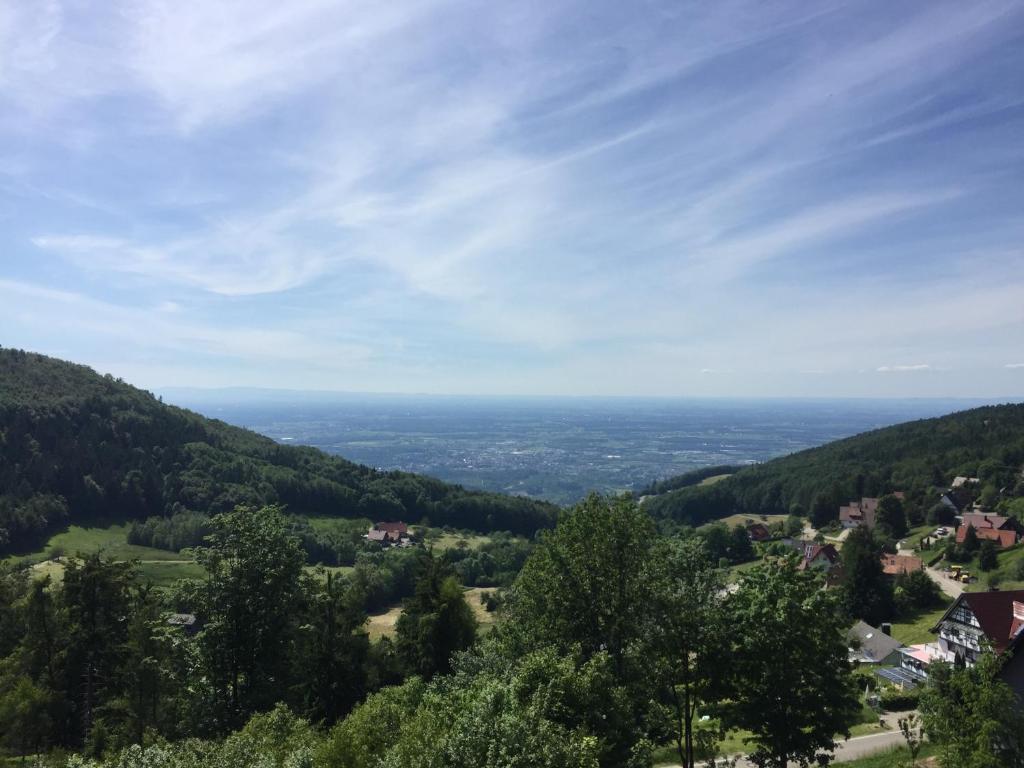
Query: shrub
894, 700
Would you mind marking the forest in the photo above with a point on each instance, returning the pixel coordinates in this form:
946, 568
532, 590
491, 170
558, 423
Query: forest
614, 642
77, 447
920, 458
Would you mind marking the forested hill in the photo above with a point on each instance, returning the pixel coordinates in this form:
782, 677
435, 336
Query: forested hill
78, 447
919, 458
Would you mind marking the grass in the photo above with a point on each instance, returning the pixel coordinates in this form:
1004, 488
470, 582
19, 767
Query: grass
1009, 570
917, 629
714, 479
383, 624
111, 541
735, 743
897, 757
442, 542
736, 520
913, 540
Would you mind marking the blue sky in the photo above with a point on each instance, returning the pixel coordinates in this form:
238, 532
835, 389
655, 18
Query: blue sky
707, 198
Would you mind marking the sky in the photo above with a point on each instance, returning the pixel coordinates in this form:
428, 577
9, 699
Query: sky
572, 198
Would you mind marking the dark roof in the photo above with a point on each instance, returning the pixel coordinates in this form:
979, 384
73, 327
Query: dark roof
397, 527
994, 612
874, 644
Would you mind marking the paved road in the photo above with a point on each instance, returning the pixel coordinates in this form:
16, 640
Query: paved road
951, 587
859, 746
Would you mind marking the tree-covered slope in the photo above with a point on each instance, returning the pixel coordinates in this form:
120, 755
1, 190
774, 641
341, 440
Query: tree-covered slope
79, 447
918, 457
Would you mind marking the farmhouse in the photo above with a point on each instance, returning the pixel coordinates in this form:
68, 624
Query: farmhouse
388, 533
859, 513
975, 621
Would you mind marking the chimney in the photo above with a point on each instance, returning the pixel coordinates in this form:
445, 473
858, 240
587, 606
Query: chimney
887, 627
1018, 610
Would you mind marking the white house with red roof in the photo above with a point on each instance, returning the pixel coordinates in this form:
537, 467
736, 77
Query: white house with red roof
976, 621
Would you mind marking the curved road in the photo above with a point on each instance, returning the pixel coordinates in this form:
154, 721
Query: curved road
858, 746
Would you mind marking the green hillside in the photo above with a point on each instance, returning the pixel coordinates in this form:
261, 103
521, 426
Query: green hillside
919, 457
77, 447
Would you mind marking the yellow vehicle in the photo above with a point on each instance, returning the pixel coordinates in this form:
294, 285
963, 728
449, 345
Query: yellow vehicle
965, 577
955, 570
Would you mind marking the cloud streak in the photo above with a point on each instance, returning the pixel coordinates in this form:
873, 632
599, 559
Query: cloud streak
507, 196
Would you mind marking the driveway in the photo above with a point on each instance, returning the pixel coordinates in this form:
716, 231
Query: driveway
950, 586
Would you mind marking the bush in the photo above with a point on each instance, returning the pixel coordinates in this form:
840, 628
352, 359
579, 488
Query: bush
894, 700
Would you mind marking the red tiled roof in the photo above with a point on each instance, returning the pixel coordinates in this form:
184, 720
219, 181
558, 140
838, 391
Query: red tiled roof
814, 552
982, 520
1003, 538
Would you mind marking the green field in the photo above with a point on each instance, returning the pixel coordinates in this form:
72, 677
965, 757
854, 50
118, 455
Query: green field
1010, 571
111, 541
714, 479
734, 520
913, 539
917, 629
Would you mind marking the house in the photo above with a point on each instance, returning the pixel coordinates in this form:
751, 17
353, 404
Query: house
1005, 531
960, 481
758, 532
975, 621
869, 645
822, 556
388, 533
861, 512
894, 565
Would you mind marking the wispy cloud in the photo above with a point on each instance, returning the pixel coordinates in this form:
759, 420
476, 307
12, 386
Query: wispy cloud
903, 368
525, 188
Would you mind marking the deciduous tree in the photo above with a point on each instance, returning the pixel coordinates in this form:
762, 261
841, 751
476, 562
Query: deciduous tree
791, 682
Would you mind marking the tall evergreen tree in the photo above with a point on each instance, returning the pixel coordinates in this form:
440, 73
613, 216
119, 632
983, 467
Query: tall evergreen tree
435, 622
866, 592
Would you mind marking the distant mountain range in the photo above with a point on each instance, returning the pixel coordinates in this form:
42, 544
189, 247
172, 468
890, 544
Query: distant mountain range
78, 447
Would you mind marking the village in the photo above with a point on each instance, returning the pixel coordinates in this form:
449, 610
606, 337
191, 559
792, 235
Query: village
974, 619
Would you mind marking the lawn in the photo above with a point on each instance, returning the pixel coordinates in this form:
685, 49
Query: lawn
913, 540
1009, 570
734, 520
917, 629
111, 541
